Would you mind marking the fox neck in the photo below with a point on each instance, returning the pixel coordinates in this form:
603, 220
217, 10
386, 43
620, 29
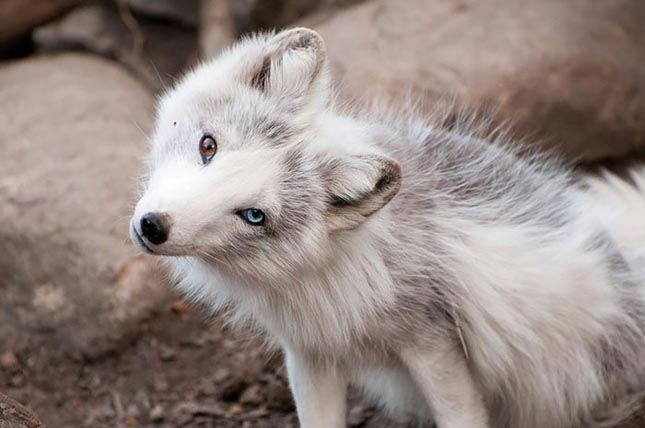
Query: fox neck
318, 312
325, 307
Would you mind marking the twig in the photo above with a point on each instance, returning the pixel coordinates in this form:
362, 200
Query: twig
118, 408
138, 39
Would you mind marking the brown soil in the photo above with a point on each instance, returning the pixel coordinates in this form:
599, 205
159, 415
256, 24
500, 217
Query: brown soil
181, 372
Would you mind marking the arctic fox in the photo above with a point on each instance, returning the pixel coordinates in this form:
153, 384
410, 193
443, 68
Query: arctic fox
446, 276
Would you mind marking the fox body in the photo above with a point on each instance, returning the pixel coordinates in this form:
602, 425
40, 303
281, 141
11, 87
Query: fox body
446, 276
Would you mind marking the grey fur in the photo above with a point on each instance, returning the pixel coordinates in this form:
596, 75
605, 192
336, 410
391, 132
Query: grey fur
394, 251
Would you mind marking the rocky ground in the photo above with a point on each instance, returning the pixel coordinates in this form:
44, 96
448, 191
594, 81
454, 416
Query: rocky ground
181, 372
89, 334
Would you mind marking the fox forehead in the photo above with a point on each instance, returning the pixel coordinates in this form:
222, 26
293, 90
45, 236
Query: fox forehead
238, 119
220, 90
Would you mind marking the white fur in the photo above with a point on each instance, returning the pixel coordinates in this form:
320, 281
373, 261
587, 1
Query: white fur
445, 382
320, 395
485, 292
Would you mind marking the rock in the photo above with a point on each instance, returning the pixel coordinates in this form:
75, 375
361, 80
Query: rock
9, 361
156, 413
167, 353
254, 15
222, 20
160, 385
206, 388
252, 395
183, 12
19, 17
203, 409
15, 415
251, 15
94, 27
570, 73
72, 128
235, 410
221, 374
156, 50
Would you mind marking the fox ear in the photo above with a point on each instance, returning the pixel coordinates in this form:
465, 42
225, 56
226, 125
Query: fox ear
357, 187
294, 68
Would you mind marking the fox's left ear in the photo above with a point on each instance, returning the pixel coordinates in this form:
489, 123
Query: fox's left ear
294, 69
357, 187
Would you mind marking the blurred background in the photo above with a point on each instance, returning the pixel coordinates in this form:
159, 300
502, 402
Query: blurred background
90, 336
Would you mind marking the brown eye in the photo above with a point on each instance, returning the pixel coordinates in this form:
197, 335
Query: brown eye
207, 148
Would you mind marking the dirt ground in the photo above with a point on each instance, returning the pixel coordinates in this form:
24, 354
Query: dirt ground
181, 372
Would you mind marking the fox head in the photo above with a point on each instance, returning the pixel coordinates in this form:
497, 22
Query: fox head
250, 170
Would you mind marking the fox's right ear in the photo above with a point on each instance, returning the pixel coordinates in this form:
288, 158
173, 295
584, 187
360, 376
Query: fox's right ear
357, 187
294, 68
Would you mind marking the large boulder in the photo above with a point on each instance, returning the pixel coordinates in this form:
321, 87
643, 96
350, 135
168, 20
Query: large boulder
72, 132
570, 73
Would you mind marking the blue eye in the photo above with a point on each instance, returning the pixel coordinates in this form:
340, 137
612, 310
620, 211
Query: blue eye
252, 216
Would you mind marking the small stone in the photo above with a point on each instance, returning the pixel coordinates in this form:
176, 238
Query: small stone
207, 388
257, 413
132, 410
160, 385
252, 395
166, 353
17, 381
221, 375
200, 409
192, 342
156, 413
9, 360
235, 409
142, 400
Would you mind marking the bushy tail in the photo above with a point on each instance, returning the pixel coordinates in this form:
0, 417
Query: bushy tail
621, 207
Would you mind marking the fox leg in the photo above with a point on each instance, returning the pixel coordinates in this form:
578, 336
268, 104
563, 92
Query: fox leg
320, 393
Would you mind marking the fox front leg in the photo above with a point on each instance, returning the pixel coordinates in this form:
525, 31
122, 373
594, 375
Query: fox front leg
442, 375
320, 393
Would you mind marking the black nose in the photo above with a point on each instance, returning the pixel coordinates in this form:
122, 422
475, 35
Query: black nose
154, 228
